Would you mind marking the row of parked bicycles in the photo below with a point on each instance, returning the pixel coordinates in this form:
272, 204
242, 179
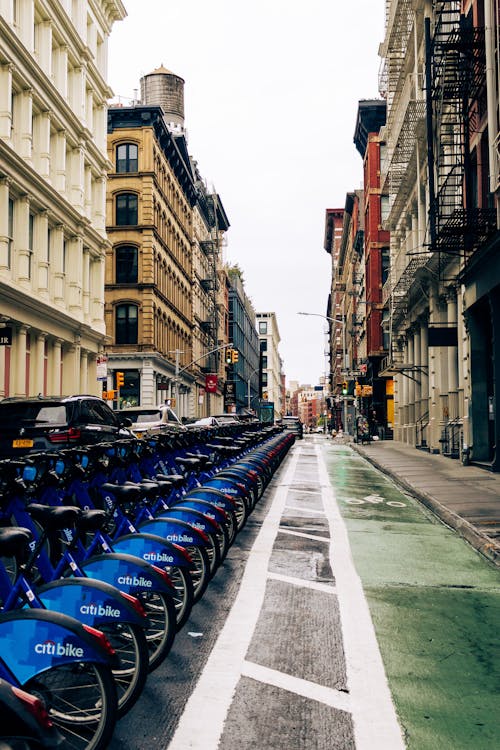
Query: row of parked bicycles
104, 550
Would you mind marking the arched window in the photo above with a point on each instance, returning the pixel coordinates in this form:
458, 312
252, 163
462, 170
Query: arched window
126, 209
126, 264
126, 328
126, 158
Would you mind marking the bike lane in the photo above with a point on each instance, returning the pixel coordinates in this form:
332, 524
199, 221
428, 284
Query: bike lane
296, 664
435, 605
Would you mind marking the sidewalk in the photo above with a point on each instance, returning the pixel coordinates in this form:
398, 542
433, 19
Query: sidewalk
465, 498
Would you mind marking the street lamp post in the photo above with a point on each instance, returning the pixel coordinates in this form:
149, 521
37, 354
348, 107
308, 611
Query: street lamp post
344, 350
248, 386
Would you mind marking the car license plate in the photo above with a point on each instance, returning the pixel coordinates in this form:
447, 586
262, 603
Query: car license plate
22, 443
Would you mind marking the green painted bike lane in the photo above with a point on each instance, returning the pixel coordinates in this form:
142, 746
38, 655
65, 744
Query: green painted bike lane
435, 605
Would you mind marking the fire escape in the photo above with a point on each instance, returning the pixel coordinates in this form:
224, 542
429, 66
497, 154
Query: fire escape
405, 129
456, 98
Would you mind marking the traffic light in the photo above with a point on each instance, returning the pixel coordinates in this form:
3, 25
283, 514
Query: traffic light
120, 379
229, 356
234, 356
344, 388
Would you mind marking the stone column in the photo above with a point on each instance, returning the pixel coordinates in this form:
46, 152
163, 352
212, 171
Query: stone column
76, 172
55, 359
74, 274
5, 240
39, 364
41, 240
58, 161
21, 232
19, 384
5, 101
71, 368
452, 356
41, 144
57, 265
24, 131
45, 47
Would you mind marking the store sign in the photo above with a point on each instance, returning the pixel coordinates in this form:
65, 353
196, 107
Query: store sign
5, 336
211, 383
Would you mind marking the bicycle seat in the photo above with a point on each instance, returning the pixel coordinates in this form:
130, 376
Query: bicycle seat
54, 517
91, 520
13, 539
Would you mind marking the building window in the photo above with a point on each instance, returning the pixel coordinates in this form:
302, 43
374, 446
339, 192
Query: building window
264, 362
384, 208
126, 209
264, 378
126, 324
263, 345
263, 326
386, 264
126, 264
126, 158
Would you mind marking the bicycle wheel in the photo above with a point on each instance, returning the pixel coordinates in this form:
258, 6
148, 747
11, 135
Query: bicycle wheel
81, 701
162, 626
200, 572
184, 593
129, 642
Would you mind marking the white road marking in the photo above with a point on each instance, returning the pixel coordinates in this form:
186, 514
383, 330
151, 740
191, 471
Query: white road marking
304, 536
374, 717
201, 724
313, 691
325, 588
302, 509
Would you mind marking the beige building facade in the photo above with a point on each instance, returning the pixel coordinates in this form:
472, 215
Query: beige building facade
53, 164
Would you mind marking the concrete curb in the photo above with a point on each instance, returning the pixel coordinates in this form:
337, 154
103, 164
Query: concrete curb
479, 541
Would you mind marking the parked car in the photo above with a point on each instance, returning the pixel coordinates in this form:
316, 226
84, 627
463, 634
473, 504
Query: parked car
294, 425
48, 423
151, 419
216, 421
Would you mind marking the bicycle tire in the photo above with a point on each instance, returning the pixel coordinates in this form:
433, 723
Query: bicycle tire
81, 700
162, 625
184, 593
200, 573
129, 642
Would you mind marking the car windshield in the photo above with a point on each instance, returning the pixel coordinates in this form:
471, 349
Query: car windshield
151, 415
34, 413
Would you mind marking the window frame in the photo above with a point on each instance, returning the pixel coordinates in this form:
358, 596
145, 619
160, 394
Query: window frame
128, 162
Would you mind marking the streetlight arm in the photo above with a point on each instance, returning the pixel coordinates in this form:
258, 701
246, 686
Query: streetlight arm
194, 361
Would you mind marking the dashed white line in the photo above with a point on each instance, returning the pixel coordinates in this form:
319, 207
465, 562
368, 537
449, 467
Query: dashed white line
313, 691
325, 588
304, 536
303, 509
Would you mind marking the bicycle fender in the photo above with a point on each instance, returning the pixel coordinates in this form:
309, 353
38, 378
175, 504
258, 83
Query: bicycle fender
176, 531
127, 572
49, 639
152, 548
91, 601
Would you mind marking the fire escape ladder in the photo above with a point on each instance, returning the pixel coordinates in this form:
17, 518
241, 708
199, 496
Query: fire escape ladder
457, 68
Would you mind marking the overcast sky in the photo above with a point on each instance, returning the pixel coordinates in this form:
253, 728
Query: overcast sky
271, 96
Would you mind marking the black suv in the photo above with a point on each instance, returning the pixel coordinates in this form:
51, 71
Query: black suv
50, 423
